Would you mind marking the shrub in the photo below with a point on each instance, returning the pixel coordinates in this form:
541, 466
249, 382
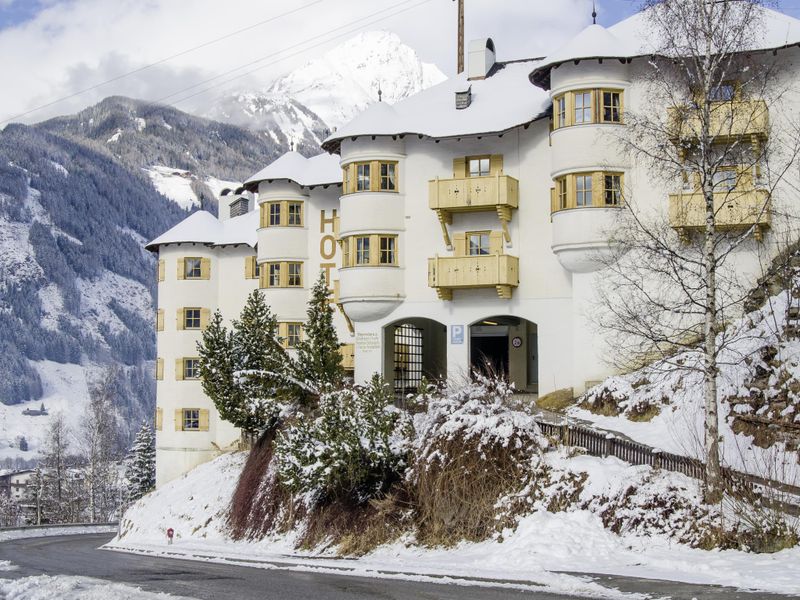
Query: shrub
473, 450
354, 449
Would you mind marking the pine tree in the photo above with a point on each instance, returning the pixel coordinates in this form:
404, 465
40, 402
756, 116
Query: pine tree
140, 470
245, 371
319, 362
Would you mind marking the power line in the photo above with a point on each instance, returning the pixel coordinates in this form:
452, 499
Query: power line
349, 31
163, 60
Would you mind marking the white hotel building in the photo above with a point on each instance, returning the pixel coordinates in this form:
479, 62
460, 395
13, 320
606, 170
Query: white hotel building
463, 222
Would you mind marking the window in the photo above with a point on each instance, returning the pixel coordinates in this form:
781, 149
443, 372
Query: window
612, 190
387, 250
274, 279
562, 192
583, 190
388, 172
274, 214
725, 92
256, 269
295, 210
192, 268
191, 318
345, 243
478, 243
293, 334
583, 107
295, 278
362, 250
191, 419
191, 368
611, 107
362, 177
479, 166
561, 111
724, 180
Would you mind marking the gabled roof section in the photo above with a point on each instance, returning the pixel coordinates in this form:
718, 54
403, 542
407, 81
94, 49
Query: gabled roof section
202, 227
633, 37
500, 102
322, 169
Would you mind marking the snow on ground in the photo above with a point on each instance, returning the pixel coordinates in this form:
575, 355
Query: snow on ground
6, 566
47, 531
678, 393
175, 184
97, 294
17, 258
64, 587
575, 540
65, 390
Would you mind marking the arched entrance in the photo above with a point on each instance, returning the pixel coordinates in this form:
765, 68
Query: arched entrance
506, 346
416, 348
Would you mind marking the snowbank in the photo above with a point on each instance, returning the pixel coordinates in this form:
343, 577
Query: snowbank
542, 543
63, 587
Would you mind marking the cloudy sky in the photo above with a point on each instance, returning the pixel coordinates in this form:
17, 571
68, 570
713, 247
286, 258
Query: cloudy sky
52, 49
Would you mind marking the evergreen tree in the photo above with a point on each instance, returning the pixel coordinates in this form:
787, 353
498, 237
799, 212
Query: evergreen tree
319, 362
140, 470
245, 371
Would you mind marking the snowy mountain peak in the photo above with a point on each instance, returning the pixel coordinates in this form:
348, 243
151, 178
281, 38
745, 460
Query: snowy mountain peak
330, 90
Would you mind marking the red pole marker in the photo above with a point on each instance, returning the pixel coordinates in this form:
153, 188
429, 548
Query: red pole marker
170, 534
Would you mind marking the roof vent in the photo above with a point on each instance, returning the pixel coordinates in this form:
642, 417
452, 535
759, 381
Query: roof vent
464, 99
481, 58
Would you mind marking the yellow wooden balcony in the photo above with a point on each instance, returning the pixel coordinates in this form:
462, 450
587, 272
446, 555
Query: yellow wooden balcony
729, 120
468, 194
734, 209
348, 352
448, 273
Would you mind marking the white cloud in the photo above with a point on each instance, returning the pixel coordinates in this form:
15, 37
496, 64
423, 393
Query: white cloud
69, 46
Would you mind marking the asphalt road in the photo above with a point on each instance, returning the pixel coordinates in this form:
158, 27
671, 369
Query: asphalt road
80, 555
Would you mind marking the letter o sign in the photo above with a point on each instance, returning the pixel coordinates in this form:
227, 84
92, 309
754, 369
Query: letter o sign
327, 247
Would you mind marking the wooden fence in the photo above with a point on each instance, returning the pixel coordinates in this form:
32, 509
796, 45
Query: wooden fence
602, 443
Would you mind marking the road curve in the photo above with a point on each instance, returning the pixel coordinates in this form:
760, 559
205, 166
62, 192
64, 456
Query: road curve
80, 555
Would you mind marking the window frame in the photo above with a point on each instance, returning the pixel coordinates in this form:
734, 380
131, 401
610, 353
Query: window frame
582, 193
565, 192
294, 218
190, 416
370, 250
187, 319
583, 94
274, 214
296, 276
363, 177
294, 334
469, 235
187, 370
602, 113
480, 158
614, 191
387, 248
196, 270
274, 275
389, 178
565, 107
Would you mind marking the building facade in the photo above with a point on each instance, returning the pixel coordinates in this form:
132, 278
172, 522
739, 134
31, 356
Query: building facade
465, 227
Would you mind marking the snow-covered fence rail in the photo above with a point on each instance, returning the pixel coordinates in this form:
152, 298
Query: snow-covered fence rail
603, 443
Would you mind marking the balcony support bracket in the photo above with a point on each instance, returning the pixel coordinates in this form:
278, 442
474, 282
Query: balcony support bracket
504, 214
504, 292
445, 219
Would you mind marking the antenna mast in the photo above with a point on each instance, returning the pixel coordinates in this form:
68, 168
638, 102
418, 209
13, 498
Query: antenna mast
460, 36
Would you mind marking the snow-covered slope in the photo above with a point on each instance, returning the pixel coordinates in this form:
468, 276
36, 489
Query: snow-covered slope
329, 91
181, 186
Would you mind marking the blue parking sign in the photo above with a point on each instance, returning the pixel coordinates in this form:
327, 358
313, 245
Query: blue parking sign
456, 334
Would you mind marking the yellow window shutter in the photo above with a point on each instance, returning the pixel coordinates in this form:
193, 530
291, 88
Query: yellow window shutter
159, 369
178, 369
161, 269
159, 418
178, 419
460, 244
248, 267
180, 320
459, 167
203, 419
263, 215
553, 200
375, 176
283, 333
205, 268
205, 315
262, 278
495, 242
352, 180
160, 319
181, 268
598, 188
496, 164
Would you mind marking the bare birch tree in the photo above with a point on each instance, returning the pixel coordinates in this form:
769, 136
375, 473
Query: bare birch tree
675, 279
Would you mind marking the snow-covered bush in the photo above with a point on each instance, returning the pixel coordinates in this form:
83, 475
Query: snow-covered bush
473, 449
354, 449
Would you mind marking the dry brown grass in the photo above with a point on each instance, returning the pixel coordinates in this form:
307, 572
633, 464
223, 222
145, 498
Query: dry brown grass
455, 498
356, 529
557, 401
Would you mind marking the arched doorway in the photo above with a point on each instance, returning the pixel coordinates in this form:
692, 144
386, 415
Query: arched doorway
416, 349
507, 346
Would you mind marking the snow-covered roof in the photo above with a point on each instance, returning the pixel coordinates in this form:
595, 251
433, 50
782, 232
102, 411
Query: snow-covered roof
633, 37
204, 228
502, 101
322, 169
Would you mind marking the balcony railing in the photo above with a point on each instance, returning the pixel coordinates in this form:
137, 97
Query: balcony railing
728, 120
733, 209
448, 273
468, 194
